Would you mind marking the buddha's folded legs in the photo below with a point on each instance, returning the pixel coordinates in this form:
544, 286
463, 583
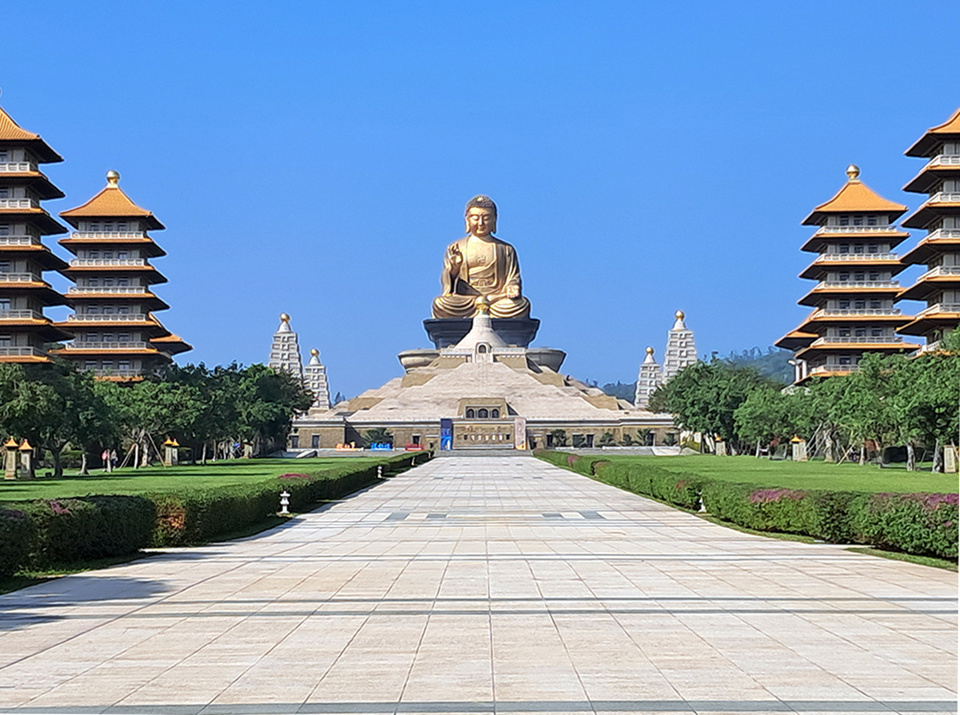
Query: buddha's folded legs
510, 308
465, 306
454, 306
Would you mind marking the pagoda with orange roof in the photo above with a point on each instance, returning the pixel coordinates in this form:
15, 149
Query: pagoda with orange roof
939, 250
117, 335
855, 291
24, 329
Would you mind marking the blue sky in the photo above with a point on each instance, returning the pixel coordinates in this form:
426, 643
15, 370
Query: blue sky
314, 157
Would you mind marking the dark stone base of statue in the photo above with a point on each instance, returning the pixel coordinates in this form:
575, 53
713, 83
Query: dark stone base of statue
518, 332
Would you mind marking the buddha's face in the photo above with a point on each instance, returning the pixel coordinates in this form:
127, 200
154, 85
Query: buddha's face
481, 222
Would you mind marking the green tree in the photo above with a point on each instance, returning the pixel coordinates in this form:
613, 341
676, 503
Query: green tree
51, 405
703, 397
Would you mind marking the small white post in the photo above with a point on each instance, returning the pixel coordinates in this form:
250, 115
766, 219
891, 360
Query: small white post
379, 471
284, 503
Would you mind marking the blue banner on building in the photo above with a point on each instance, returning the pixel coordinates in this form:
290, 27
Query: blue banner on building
446, 433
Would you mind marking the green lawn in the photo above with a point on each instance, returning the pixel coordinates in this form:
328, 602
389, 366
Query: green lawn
804, 475
167, 479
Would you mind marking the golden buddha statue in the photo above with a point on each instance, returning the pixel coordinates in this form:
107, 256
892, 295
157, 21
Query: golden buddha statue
480, 265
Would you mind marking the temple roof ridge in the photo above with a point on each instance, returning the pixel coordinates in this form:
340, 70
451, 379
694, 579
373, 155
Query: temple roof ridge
111, 202
925, 144
11, 131
854, 196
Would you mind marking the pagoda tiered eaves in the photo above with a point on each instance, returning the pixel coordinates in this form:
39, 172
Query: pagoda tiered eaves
118, 337
24, 330
855, 291
939, 250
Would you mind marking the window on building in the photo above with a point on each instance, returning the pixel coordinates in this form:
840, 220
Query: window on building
4, 157
314, 441
121, 254
94, 225
876, 332
858, 220
295, 441
858, 276
844, 220
123, 365
844, 276
843, 332
123, 337
843, 304
108, 337
876, 304
4, 304
858, 248
123, 309
415, 439
90, 365
873, 248
844, 248
860, 304
93, 337
93, 253
4, 229
121, 225
874, 275
845, 360
860, 332
108, 282
123, 282
871, 221
495, 413
93, 282
6, 341
482, 414
471, 414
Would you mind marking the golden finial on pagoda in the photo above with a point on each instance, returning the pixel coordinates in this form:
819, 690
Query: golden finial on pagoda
113, 178
853, 173
314, 352
680, 315
649, 350
284, 318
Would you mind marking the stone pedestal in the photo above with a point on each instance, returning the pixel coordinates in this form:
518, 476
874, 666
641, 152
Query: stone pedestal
516, 332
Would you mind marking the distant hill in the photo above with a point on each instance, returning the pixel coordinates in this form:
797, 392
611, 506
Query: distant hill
773, 363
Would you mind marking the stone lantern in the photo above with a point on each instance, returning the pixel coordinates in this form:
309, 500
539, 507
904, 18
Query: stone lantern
26, 460
10, 459
171, 453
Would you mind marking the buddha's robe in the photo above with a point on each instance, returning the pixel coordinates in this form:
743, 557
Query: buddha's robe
488, 267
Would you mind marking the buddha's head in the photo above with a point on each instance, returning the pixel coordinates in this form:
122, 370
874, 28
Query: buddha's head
481, 216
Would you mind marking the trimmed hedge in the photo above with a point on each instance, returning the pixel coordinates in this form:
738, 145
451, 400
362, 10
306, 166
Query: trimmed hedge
41, 533
923, 524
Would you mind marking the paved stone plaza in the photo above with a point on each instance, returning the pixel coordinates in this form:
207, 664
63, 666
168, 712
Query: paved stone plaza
481, 585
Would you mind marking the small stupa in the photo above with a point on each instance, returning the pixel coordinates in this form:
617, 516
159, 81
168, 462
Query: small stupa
285, 350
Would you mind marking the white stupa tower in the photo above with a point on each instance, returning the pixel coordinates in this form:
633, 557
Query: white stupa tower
285, 350
681, 350
648, 380
315, 378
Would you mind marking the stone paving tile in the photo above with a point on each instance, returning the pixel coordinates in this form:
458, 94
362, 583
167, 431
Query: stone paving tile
487, 585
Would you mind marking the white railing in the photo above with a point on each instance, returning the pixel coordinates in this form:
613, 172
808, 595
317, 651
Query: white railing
111, 372
109, 345
856, 229
929, 348
940, 271
944, 160
21, 315
945, 197
939, 308
864, 257
943, 233
22, 240
135, 290
17, 167
21, 351
858, 284
20, 278
822, 369
854, 311
108, 235
19, 204
108, 262
864, 339
107, 317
